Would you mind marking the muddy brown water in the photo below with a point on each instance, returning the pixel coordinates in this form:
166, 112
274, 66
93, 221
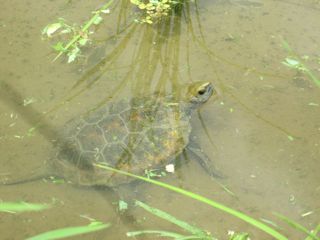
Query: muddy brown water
237, 45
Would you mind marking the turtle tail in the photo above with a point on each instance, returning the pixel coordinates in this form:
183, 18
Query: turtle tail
35, 175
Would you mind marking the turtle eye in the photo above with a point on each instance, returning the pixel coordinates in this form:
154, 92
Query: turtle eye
201, 92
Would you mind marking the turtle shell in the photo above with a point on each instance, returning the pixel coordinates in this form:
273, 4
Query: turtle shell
133, 136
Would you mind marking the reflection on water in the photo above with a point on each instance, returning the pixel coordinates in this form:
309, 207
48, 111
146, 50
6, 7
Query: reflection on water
263, 133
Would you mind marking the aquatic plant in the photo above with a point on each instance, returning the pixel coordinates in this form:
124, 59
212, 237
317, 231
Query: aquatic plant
312, 235
202, 199
294, 61
193, 231
79, 34
154, 9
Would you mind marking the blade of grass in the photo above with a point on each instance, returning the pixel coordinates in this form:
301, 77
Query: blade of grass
15, 207
200, 198
286, 46
161, 214
156, 232
306, 70
315, 232
70, 231
313, 77
297, 226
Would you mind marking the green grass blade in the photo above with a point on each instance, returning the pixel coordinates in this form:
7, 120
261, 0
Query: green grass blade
307, 71
16, 207
315, 232
200, 198
313, 77
156, 232
161, 214
297, 226
286, 45
70, 231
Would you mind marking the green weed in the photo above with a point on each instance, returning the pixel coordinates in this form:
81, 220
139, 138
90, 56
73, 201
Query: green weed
297, 62
193, 231
299, 227
205, 200
79, 34
196, 233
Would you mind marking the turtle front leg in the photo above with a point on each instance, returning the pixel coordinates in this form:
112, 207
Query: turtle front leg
204, 161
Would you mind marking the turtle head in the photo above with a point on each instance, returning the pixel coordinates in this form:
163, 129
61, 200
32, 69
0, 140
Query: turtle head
199, 92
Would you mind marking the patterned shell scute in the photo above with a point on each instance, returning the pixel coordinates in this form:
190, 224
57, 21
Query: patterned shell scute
133, 136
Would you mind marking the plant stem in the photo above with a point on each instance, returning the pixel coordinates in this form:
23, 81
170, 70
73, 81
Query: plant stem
84, 28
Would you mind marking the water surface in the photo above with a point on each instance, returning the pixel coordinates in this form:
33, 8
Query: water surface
262, 132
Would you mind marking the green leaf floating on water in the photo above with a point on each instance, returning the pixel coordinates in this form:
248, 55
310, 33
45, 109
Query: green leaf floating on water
16, 207
71, 231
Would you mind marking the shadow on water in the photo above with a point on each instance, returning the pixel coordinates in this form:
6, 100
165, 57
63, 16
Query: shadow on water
12, 98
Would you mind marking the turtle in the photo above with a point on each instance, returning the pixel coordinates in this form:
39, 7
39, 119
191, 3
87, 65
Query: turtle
136, 135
